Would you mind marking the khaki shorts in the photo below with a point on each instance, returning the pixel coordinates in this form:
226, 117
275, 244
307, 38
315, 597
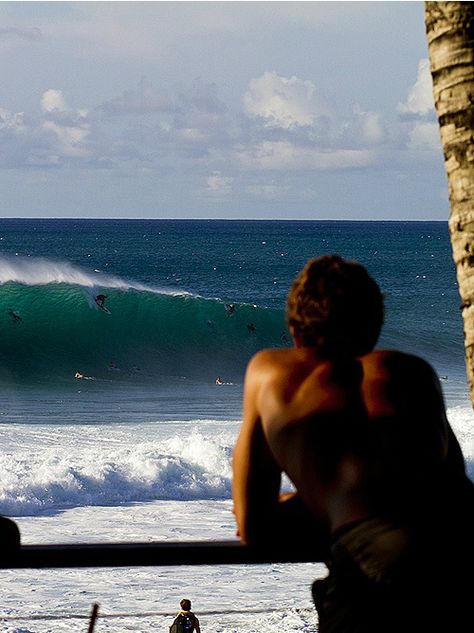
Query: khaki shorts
382, 579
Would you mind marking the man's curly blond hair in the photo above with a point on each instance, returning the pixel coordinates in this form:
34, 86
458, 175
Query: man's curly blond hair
335, 306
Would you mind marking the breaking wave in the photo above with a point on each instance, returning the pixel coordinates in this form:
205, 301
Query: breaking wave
97, 467
51, 326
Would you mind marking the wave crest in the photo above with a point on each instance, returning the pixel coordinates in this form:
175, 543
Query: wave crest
51, 327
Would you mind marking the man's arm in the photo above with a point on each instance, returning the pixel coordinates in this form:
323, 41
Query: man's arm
257, 476
263, 515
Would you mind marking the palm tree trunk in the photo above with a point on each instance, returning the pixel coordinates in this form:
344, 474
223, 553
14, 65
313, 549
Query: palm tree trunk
450, 33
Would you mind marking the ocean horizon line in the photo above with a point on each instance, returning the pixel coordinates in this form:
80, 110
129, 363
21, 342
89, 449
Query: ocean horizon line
230, 220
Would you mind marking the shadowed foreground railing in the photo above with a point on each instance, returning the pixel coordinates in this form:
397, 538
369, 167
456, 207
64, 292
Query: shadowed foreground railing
144, 554
152, 554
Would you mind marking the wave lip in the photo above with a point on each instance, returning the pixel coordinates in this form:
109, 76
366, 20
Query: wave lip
38, 271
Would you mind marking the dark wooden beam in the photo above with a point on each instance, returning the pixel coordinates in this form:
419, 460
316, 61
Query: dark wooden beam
151, 554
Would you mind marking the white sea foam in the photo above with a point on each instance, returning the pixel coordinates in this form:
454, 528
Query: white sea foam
231, 589
75, 462
461, 418
49, 468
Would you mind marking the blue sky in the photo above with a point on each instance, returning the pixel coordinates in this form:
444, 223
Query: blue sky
312, 110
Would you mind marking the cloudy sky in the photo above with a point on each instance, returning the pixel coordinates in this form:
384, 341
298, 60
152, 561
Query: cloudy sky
314, 110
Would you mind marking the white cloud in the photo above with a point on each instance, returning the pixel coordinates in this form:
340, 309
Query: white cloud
203, 97
64, 132
420, 97
289, 111
53, 101
362, 130
370, 126
153, 125
143, 100
12, 122
282, 155
290, 129
283, 102
69, 140
425, 137
51, 139
216, 183
151, 129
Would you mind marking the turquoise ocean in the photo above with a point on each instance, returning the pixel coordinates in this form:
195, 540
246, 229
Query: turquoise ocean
140, 447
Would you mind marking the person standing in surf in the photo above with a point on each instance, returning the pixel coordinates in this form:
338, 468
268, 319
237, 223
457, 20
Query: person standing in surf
185, 621
381, 489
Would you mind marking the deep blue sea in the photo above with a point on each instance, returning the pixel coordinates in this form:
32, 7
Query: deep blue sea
144, 439
168, 283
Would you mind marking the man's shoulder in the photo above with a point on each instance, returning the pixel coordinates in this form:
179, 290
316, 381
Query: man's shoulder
403, 379
273, 357
288, 359
277, 362
396, 361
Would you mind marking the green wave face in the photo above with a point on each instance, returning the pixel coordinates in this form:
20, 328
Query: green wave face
52, 330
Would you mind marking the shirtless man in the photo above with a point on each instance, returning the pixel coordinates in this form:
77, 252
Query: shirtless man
363, 435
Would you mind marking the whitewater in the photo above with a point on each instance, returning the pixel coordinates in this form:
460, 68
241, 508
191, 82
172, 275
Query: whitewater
141, 450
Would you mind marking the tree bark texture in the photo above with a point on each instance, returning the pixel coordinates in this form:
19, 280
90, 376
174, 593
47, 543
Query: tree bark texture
450, 34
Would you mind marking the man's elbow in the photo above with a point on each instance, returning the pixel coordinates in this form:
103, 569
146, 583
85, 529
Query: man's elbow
243, 532
255, 531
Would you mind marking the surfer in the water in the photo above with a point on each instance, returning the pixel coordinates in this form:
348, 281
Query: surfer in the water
15, 316
100, 300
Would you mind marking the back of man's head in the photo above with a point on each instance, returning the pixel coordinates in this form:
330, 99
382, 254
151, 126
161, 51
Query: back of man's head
185, 604
335, 306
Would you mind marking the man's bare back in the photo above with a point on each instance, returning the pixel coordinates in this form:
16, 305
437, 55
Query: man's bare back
292, 397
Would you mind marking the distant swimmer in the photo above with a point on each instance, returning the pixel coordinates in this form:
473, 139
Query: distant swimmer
251, 328
230, 308
219, 381
112, 366
14, 315
80, 376
100, 301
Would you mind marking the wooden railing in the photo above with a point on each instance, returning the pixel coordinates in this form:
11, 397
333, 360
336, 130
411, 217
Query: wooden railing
151, 554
